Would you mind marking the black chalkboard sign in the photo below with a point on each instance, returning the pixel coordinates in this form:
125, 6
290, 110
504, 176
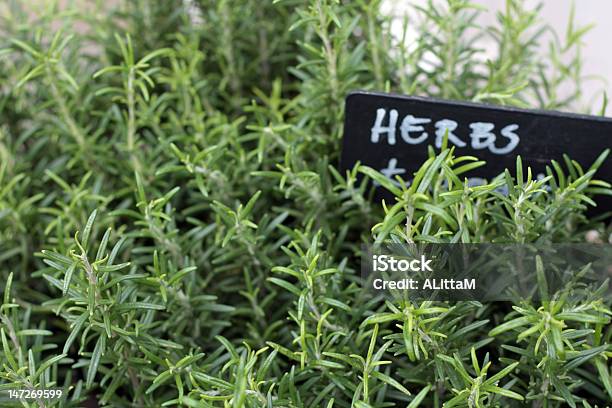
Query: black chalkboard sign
391, 133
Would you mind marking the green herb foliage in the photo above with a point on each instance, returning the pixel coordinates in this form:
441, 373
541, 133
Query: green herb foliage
174, 232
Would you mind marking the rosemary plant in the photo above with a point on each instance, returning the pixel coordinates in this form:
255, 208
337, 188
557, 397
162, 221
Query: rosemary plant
174, 232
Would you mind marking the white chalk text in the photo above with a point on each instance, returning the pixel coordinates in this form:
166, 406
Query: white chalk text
413, 131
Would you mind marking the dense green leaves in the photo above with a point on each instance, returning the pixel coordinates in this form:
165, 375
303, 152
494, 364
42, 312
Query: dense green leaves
174, 231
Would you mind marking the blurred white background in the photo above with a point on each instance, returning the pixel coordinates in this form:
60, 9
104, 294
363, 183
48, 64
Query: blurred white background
597, 43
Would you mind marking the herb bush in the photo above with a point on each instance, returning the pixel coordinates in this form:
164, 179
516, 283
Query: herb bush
173, 230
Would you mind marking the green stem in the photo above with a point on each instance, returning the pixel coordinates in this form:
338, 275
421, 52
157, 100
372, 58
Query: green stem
131, 124
131, 128
330, 55
374, 44
74, 129
228, 52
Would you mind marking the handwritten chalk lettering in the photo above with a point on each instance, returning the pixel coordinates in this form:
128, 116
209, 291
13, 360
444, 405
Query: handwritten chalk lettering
412, 124
379, 129
508, 132
413, 132
394, 134
445, 126
482, 137
392, 170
